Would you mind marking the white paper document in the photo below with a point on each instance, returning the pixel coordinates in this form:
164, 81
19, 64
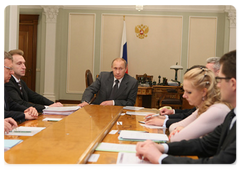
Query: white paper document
138, 113
9, 143
61, 110
25, 131
141, 136
94, 158
130, 158
132, 108
52, 119
113, 147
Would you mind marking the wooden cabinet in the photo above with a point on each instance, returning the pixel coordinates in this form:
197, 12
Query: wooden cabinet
151, 97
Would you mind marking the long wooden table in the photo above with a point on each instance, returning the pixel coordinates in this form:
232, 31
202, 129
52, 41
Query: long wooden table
69, 141
73, 139
125, 122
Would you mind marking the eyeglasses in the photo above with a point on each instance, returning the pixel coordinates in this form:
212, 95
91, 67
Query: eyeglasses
219, 79
9, 68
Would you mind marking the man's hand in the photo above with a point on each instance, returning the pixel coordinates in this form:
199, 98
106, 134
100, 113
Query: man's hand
83, 104
107, 103
31, 111
148, 150
165, 111
155, 121
9, 124
57, 104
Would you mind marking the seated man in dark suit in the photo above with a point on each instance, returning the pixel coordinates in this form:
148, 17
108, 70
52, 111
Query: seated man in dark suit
19, 91
12, 109
218, 146
113, 88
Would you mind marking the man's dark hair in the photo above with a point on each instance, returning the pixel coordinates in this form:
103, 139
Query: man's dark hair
228, 63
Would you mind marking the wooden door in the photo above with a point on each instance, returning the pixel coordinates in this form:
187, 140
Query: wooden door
28, 43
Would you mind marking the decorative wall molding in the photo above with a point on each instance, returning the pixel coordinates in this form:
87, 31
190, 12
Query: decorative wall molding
165, 8
51, 13
231, 15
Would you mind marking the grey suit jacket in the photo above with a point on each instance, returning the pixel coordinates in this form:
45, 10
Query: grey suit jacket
127, 92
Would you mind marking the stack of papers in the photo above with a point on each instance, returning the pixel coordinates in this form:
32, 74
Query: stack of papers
61, 110
25, 131
142, 136
9, 143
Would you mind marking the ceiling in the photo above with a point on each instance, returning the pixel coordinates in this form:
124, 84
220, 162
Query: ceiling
175, 8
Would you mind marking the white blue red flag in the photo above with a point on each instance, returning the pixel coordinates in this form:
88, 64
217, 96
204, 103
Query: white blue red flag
123, 52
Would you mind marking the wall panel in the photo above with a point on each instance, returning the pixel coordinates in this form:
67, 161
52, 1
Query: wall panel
81, 33
153, 54
202, 39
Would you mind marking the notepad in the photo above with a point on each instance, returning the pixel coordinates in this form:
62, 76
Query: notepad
25, 131
140, 136
132, 108
61, 110
9, 143
52, 119
130, 158
113, 147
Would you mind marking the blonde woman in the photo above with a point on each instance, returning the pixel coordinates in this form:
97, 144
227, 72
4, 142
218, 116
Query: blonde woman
200, 90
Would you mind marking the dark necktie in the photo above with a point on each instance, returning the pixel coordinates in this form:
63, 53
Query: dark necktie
114, 90
20, 87
232, 120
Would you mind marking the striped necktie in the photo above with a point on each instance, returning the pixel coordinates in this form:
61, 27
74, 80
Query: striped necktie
20, 87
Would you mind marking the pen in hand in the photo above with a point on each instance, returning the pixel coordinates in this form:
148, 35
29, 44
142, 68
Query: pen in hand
151, 116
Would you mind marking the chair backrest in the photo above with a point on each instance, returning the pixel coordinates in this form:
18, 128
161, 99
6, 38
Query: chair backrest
88, 78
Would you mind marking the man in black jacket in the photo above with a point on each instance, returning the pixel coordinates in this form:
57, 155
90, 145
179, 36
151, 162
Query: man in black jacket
18, 89
218, 146
12, 109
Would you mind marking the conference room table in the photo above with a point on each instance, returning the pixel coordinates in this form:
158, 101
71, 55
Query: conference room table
74, 139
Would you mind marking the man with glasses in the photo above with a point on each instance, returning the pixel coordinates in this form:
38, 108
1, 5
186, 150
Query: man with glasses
217, 147
12, 109
18, 89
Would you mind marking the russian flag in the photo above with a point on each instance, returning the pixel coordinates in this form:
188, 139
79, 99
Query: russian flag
123, 51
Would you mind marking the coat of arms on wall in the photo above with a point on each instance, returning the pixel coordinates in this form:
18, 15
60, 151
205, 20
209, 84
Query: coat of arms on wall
141, 31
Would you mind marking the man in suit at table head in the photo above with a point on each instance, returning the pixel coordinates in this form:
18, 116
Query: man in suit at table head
112, 88
218, 146
12, 109
19, 91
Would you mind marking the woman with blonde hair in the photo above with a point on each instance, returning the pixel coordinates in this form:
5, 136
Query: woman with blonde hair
200, 90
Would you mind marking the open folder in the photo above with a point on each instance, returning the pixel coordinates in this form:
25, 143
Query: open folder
141, 136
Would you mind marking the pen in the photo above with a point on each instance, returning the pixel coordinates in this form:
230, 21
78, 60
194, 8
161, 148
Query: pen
151, 116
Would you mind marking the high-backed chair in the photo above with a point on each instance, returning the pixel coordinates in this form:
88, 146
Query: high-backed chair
171, 98
88, 78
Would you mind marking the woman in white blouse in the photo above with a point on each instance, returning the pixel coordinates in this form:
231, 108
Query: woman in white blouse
200, 90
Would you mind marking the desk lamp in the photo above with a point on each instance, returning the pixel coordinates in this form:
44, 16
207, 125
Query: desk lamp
176, 68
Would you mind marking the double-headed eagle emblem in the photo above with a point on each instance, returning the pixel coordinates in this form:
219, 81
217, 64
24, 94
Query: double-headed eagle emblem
141, 31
